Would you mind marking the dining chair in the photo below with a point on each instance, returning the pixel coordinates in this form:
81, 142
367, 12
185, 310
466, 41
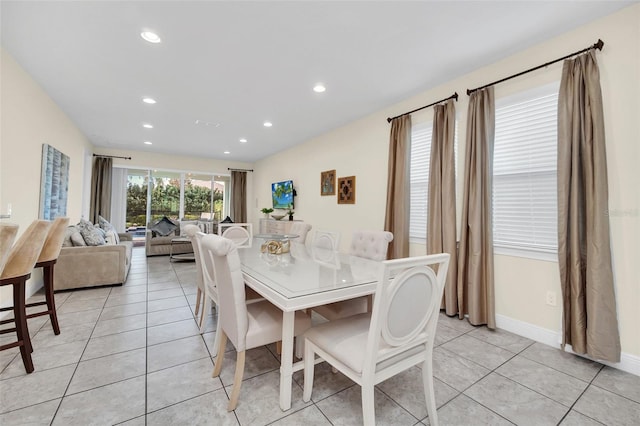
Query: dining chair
247, 325
326, 239
371, 245
17, 270
240, 233
300, 229
7, 235
47, 259
398, 334
191, 231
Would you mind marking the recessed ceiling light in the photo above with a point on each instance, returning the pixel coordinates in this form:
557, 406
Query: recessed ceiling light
319, 88
151, 37
267, 124
227, 152
243, 140
148, 143
147, 126
148, 100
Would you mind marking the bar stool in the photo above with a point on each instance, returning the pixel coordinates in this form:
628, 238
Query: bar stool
7, 235
16, 272
47, 259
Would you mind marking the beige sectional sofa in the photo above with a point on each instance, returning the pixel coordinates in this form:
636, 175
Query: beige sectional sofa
156, 245
91, 266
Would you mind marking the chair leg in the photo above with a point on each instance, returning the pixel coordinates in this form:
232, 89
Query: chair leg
220, 356
216, 341
205, 308
22, 331
198, 298
368, 404
309, 366
279, 347
237, 381
51, 302
427, 381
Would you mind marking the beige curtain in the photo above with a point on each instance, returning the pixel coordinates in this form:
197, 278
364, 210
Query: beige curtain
441, 223
100, 189
239, 196
397, 215
590, 322
475, 256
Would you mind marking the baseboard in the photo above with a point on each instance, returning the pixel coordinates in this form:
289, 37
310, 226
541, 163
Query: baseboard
629, 363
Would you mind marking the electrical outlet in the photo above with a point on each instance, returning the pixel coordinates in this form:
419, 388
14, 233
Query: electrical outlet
551, 298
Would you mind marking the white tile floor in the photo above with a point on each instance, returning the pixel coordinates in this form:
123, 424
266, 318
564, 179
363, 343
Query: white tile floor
133, 355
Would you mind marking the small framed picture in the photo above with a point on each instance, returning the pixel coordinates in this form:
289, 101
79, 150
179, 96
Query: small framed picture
347, 190
328, 182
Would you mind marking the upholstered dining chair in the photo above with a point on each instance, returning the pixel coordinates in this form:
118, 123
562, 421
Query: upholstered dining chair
398, 334
240, 233
300, 229
7, 235
368, 245
247, 325
16, 272
47, 259
191, 231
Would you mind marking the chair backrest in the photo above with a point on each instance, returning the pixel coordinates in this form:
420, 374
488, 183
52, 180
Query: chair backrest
370, 244
53, 243
300, 229
326, 239
191, 231
25, 252
228, 276
405, 309
240, 233
7, 235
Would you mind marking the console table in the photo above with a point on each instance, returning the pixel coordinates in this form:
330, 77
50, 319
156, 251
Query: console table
272, 226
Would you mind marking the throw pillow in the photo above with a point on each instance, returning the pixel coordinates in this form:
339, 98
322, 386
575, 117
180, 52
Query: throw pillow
92, 236
184, 223
164, 227
104, 224
111, 238
77, 239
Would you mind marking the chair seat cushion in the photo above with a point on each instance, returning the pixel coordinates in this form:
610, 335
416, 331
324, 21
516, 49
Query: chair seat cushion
346, 308
344, 339
265, 324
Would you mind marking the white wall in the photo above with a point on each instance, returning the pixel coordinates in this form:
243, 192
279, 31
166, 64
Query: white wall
361, 149
29, 118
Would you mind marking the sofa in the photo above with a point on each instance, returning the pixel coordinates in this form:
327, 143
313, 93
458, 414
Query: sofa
158, 245
91, 266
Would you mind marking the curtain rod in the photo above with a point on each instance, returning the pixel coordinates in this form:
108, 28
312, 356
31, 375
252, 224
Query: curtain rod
239, 170
111, 156
598, 45
454, 96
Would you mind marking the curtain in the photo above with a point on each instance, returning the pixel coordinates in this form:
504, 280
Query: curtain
584, 255
397, 214
239, 196
119, 199
100, 189
475, 256
441, 224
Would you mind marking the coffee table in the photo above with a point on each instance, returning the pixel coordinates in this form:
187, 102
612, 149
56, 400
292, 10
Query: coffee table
180, 256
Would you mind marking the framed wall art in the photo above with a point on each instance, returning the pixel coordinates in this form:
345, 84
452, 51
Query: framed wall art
54, 183
328, 182
347, 190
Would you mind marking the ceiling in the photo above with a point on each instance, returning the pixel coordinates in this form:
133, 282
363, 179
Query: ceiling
225, 67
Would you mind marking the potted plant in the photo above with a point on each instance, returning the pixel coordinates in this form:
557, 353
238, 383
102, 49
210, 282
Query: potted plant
290, 213
266, 211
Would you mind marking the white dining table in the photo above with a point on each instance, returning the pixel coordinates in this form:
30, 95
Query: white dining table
303, 278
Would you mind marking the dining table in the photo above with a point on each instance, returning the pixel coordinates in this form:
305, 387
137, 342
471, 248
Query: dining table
301, 278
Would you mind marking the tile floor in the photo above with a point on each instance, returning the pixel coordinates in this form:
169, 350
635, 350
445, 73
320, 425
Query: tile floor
133, 355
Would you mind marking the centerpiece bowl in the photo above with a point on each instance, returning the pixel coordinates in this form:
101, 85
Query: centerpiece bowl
277, 216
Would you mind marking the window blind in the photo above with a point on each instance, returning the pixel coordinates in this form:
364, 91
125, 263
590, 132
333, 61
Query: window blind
419, 181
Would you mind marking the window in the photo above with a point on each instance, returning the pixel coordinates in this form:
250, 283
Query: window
419, 181
421, 135
525, 173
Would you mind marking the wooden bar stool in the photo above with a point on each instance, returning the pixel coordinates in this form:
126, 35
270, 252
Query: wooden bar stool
47, 259
16, 272
7, 235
